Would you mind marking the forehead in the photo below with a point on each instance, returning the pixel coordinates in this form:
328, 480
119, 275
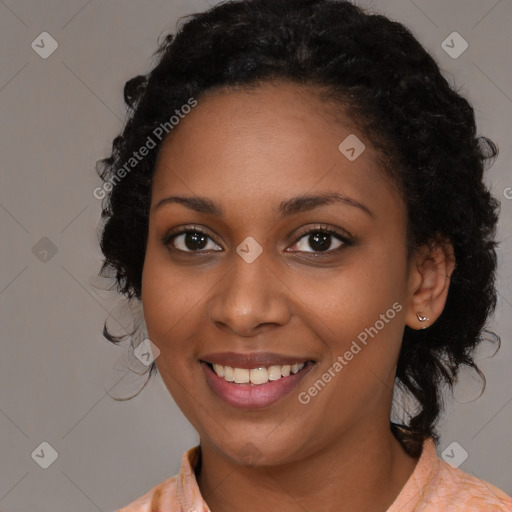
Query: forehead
270, 141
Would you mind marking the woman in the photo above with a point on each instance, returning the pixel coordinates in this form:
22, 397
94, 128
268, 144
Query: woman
297, 202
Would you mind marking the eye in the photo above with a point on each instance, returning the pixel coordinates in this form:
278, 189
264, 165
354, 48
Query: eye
321, 239
189, 240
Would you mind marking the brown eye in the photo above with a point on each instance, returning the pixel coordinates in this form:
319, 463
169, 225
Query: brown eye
190, 241
319, 241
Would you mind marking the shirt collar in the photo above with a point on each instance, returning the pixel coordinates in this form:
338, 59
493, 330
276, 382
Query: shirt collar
189, 494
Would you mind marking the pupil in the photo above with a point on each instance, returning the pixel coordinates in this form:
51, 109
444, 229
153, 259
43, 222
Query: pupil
193, 240
319, 240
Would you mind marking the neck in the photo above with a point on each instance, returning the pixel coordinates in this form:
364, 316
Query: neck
364, 471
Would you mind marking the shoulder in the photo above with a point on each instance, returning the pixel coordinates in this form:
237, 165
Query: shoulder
436, 486
459, 491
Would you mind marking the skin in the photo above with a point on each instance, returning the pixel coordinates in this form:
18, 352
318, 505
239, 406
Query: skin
247, 151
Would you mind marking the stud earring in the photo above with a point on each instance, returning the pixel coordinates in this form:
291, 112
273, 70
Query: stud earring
422, 319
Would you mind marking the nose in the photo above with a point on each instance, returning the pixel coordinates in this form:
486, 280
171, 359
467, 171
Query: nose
250, 298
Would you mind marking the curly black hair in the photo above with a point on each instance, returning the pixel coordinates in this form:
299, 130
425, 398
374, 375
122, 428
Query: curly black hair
378, 73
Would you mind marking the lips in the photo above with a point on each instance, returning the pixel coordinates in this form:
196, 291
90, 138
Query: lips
253, 380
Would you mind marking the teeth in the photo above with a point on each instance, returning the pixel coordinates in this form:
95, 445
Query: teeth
274, 373
241, 375
228, 373
219, 369
256, 376
296, 367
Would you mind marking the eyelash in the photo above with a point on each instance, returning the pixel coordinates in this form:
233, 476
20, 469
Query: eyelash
346, 241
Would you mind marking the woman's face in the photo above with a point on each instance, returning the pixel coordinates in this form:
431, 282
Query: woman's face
260, 285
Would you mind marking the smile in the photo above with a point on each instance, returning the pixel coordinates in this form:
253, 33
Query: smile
256, 386
256, 376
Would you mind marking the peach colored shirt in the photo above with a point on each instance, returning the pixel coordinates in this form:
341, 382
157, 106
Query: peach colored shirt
434, 486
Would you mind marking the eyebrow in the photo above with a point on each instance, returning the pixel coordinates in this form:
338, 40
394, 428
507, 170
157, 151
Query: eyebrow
286, 208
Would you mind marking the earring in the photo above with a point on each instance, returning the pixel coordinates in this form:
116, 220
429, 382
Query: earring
422, 319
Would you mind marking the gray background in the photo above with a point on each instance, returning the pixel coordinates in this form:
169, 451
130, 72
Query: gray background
58, 116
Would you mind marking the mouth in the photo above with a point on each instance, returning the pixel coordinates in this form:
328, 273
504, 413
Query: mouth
249, 383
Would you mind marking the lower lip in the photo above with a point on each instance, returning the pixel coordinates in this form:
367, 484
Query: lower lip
251, 396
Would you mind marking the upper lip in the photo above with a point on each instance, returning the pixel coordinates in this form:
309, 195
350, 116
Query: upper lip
251, 359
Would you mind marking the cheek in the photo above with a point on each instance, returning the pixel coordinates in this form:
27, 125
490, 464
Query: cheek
170, 298
361, 310
169, 304
368, 286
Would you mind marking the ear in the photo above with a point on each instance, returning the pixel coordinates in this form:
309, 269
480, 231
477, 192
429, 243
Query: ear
429, 280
